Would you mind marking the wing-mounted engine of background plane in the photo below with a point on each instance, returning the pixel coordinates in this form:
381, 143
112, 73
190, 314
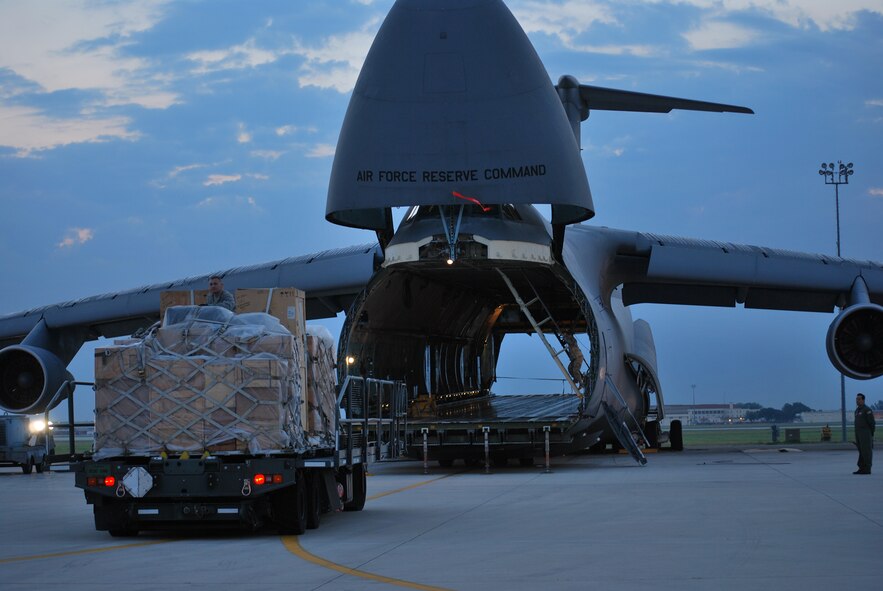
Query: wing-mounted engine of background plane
855, 338
33, 374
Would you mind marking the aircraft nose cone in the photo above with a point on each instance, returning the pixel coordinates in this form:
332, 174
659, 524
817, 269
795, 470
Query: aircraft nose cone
453, 98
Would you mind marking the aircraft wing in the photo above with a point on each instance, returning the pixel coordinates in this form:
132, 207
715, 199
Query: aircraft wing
331, 279
653, 268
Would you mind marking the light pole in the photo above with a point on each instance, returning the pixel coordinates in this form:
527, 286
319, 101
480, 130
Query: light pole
844, 171
694, 404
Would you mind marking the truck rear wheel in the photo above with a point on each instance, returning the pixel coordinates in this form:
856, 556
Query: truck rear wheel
676, 435
360, 489
314, 500
125, 532
290, 507
651, 432
112, 517
28, 466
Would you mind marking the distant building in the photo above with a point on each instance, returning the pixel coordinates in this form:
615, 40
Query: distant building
700, 414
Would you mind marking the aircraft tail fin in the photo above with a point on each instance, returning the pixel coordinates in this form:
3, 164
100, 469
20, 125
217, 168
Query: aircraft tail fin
611, 99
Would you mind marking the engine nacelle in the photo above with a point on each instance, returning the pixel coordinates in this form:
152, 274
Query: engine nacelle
30, 377
855, 341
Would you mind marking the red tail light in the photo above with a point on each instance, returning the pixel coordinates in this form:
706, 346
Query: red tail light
277, 479
92, 481
259, 479
109, 481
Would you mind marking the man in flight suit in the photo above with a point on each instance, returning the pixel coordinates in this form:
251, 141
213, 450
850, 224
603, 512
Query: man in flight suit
218, 296
864, 434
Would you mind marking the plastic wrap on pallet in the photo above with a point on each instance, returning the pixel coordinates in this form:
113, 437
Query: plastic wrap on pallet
206, 380
321, 385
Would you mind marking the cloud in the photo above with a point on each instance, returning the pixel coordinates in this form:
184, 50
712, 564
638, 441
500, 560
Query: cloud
220, 179
876, 191
243, 137
76, 236
321, 151
730, 67
292, 129
874, 103
237, 57
285, 130
79, 44
29, 130
258, 176
267, 154
719, 35
224, 202
563, 19
824, 15
179, 169
335, 64
568, 19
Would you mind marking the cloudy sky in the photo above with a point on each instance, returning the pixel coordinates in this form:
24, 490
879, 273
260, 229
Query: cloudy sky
149, 140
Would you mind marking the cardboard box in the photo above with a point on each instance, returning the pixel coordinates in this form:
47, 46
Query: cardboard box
321, 388
112, 363
241, 392
167, 299
285, 303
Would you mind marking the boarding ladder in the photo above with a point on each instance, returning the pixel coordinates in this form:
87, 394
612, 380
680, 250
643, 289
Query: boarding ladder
619, 418
551, 327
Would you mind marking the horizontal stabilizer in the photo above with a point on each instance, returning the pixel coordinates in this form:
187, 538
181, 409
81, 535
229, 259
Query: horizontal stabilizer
611, 99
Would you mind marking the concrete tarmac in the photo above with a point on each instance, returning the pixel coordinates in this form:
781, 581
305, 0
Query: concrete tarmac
700, 519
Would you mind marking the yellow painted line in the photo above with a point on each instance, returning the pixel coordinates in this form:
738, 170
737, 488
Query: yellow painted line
292, 544
86, 551
410, 487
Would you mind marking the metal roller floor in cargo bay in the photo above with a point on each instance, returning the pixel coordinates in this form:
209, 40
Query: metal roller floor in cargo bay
516, 423
527, 409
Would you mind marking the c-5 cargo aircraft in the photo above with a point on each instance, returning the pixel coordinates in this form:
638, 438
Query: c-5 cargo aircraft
454, 116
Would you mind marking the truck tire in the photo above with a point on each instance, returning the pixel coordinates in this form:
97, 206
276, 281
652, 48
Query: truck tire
676, 435
123, 532
290, 507
314, 500
651, 431
360, 489
28, 466
112, 517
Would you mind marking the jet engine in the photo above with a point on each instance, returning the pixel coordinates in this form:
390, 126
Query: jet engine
855, 341
29, 379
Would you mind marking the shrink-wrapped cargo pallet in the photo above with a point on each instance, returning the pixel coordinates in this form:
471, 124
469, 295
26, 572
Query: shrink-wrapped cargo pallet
207, 380
321, 386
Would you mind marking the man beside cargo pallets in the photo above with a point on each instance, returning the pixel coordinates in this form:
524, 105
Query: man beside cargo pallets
218, 296
864, 434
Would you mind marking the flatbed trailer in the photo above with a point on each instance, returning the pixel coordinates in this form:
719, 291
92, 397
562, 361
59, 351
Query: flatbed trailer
497, 428
288, 491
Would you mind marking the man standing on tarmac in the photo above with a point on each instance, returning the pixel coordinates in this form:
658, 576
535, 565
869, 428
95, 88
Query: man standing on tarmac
864, 434
218, 296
